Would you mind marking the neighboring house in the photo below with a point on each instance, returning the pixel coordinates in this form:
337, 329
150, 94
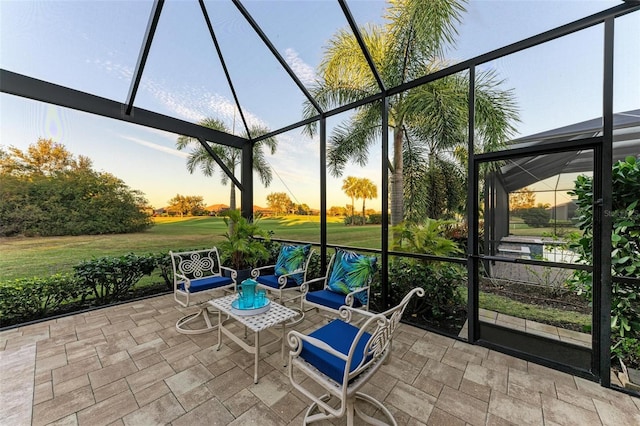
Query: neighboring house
216, 209
564, 211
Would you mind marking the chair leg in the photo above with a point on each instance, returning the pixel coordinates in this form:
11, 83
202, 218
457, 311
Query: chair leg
188, 319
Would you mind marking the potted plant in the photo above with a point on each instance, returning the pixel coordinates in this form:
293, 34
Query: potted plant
241, 251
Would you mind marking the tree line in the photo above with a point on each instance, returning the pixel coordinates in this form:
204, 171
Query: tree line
47, 191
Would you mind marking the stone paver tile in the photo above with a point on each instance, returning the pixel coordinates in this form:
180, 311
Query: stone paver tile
182, 350
211, 412
636, 402
380, 379
145, 329
151, 393
229, 383
463, 406
241, 402
411, 400
189, 379
614, 416
194, 397
595, 391
493, 420
427, 384
112, 373
414, 358
75, 369
62, 406
148, 361
459, 359
61, 388
442, 418
444, 373
288, 407
147, 377
107, 360
401, 369
16, 397
185, 363
271, 388
159, 412
483, 376
476, 390
147, 337
259, 414
210, 355
108, 410
571, 395
478, 351
523, 393
40, 378
566, 414
145, 349
42, 392
429, 349
70, 420
112, 389
515, 410
533, 382
507, 360
555, 375
50, 347
511, 321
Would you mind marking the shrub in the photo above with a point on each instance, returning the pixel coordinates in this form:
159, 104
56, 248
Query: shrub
110, 278
354, 220
536, 217
26, 299
440, 282
375, 219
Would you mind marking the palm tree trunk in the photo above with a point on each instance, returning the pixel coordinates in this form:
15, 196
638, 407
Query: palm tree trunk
397, 204
363, 216
352, 210
232, 205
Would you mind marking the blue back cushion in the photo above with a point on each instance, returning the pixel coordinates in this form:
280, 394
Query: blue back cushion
351, 271
292, 258
339, 335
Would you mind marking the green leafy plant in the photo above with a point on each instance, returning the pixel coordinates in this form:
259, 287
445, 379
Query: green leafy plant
110, 278
241, 249
625, 241
427, 238
25, 299
536, 217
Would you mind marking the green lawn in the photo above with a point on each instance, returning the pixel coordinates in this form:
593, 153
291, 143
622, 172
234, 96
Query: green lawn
28, 257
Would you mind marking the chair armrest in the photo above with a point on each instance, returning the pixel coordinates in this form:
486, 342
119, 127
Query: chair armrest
296, 340
349, 298
255, 272
187, 281
234, 273
305, 285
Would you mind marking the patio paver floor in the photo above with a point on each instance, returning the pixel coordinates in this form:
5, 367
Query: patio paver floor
126, 365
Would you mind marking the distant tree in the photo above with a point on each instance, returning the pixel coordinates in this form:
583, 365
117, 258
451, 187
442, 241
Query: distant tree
302, 209
200, 158
186, 205
366, 190
350, 188
279, 202
522, 199
337, 211
47, 191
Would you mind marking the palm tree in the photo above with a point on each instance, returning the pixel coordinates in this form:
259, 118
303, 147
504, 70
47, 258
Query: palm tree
366, 190
409, 46
199, 157
350, 188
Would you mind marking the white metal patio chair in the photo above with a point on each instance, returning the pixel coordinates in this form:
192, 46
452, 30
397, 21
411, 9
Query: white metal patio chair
341, 358
347, 283
198, 272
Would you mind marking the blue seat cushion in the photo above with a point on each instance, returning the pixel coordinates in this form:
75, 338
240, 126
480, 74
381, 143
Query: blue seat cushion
330, 299
272, 281
206, 283
340, 336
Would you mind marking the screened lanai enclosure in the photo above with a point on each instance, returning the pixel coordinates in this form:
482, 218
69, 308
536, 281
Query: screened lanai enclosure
565, 83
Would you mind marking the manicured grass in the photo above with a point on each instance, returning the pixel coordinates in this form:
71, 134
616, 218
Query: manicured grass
504, 305
28, 257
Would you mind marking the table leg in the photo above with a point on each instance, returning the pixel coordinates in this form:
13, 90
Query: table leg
257, 357
284, 336
219, 330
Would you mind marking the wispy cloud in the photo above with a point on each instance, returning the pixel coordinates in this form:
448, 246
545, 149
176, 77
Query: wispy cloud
156, 146
305, 72
187, 102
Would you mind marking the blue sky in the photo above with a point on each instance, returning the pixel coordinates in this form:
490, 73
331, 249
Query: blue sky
93, 46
